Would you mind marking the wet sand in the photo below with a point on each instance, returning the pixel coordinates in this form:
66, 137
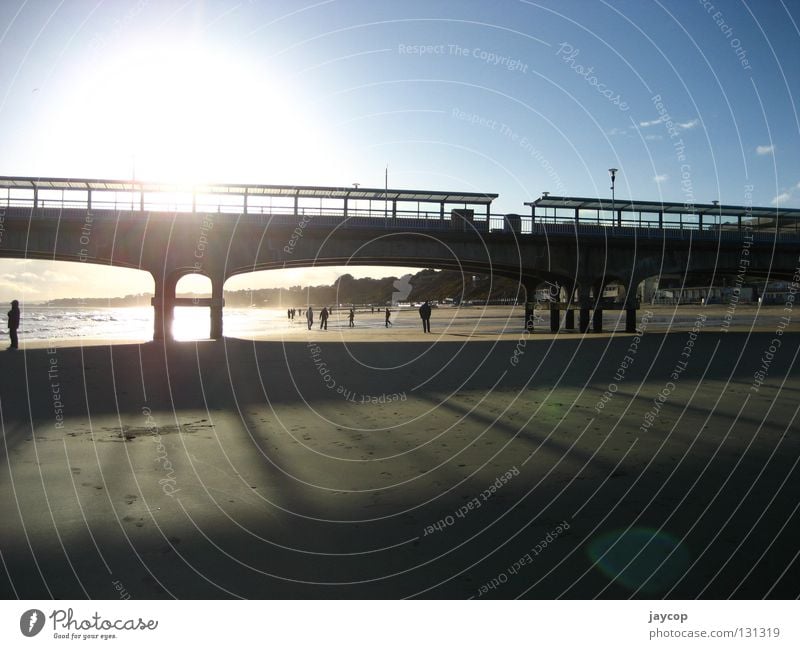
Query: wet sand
367, 463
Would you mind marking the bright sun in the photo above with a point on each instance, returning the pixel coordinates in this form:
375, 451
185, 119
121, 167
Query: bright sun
189, 114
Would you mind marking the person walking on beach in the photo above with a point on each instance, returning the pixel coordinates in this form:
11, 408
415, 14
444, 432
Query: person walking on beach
310, 317
13, 324
323, 319
388, 316
352, 316
425, 314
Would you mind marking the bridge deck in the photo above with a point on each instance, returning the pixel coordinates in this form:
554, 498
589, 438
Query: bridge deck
496, 226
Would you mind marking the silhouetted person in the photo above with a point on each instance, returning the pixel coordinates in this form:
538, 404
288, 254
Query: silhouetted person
13, 324
388, 317
352, 316
310, 317
323, 318
425, 314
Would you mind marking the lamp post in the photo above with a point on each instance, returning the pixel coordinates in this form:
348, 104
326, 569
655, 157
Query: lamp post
545, 195
613, 173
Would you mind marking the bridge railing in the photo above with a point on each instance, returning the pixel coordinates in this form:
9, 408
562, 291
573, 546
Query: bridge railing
153, 204
406, 220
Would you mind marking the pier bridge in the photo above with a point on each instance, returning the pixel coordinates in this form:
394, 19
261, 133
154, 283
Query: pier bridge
575, 245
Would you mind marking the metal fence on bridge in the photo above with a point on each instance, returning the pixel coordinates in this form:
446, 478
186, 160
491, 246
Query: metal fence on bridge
405, 210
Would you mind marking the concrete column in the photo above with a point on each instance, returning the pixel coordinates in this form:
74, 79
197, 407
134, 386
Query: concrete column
583, 323
597, 315
630, 321
597, 320
158, 318
216, 322
529, 316
569, 319
555, 318
163, 308
217, 304
584, 302
630, 306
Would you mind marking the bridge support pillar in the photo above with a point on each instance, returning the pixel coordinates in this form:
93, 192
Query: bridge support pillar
584, 302
162, 323
597, 321
631, 303
583, 320
529, 316
217, 303
569, 319
163, 309
216, 322
555, 318
630, 320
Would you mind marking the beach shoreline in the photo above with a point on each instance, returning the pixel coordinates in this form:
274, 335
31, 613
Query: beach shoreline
486, 323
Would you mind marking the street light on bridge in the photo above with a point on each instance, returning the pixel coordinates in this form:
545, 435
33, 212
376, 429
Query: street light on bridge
613, 173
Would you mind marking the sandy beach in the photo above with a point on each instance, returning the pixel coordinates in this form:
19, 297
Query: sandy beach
376, 463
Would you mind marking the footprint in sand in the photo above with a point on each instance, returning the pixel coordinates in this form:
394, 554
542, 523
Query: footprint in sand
130, 499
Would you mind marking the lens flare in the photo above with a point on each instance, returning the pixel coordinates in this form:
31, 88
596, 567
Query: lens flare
640, 559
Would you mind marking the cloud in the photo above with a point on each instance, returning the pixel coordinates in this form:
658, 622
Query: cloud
765, 149
780, 199
650, 123
660, 178
17, 287
55, 276
617, 131
687, 125
653, 137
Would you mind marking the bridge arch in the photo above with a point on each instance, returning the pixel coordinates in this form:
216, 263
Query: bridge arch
166, 299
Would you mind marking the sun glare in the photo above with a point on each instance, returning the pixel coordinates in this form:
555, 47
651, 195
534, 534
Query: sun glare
191, 114
191, 323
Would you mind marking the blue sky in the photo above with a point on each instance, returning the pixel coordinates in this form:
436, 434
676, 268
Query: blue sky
692, 100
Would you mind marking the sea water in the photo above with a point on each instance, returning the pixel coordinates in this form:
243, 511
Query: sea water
42, 323
136, 323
